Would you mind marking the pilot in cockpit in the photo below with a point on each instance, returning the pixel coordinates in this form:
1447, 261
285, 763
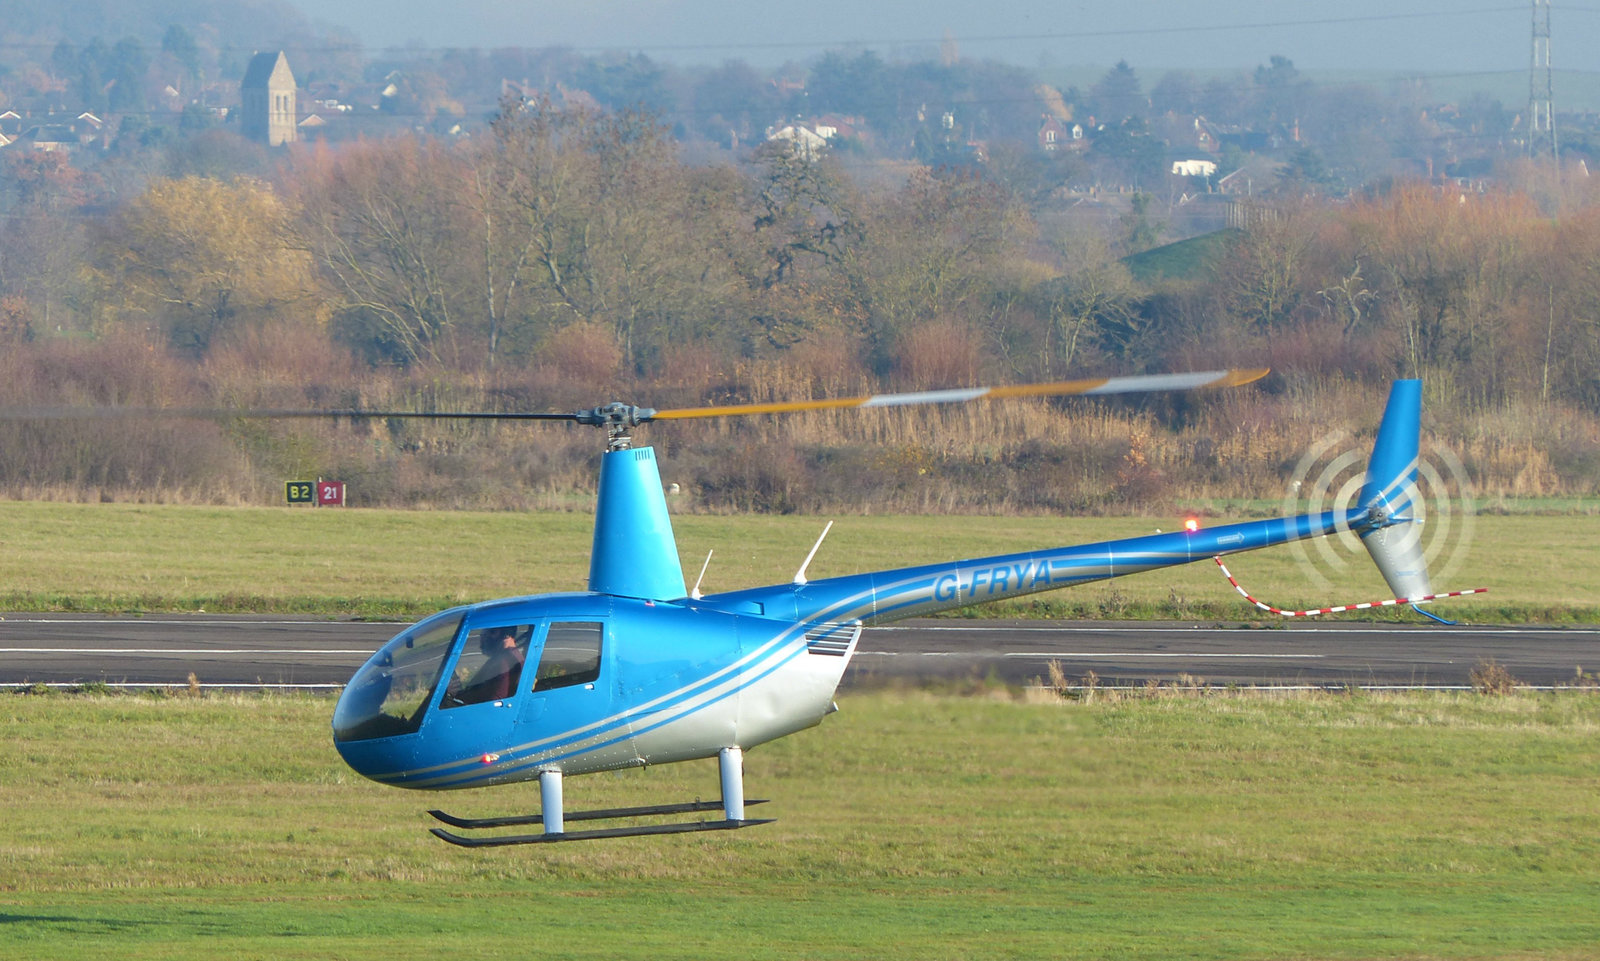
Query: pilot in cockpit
496, 677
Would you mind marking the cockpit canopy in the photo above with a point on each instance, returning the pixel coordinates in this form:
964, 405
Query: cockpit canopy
391, 693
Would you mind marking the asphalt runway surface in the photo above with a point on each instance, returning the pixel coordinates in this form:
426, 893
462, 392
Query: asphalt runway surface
249, 651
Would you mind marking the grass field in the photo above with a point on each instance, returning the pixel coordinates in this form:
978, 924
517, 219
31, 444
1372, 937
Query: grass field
382, 563
911, 825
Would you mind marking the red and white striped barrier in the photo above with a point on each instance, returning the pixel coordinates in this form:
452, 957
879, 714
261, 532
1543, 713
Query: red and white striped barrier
1346, 607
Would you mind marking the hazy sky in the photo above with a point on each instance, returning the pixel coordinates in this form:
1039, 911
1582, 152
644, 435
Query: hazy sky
1427, 35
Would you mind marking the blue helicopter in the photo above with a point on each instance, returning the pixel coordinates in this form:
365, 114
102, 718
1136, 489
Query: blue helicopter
638, 671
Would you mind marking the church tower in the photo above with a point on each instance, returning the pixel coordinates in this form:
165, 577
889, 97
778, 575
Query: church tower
267, 108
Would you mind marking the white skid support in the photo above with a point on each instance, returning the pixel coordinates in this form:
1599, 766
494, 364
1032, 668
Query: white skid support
730, 763
1392, 602
550, 802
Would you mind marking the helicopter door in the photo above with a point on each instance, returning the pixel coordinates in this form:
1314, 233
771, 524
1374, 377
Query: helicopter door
481, 688
567, 689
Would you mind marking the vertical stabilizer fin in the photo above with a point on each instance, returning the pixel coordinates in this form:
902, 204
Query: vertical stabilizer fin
1392, 532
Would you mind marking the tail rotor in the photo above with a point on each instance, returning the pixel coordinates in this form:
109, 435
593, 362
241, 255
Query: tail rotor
1410, 513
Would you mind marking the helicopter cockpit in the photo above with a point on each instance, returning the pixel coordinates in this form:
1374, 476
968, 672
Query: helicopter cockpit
392, 692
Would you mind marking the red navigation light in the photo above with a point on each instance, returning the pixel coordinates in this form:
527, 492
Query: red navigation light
1191, 524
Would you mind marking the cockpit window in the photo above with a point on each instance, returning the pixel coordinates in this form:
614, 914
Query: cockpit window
390, 693
489, 666
571, 655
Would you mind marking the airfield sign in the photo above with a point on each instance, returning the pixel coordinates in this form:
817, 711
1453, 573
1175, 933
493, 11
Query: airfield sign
318, 493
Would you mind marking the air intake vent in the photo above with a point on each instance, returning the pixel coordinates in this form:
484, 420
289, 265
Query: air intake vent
833, 640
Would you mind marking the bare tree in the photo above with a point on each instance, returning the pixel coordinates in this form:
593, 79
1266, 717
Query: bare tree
384, 221
606, 214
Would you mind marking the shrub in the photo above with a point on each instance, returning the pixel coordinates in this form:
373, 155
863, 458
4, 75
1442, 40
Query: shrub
1491, 677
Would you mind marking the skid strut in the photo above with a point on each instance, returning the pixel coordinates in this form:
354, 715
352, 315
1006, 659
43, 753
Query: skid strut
553, 818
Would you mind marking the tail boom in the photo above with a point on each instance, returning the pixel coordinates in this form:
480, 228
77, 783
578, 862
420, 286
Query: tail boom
1387, 517
884, 596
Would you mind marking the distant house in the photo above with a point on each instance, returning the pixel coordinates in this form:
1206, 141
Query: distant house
1052, 134
1258, 175
834, 125
786, 88
1193, 168
1055, 134
804, 141
59, 136
52, 138
267, 100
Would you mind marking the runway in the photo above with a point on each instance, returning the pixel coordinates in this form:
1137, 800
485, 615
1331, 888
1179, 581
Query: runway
252, 651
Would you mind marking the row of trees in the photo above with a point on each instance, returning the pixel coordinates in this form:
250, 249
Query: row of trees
1483, 290
470, 257
464, 256
573, 256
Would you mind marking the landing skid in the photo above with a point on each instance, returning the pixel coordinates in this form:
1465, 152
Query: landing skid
603, 814
552, 816
681, 827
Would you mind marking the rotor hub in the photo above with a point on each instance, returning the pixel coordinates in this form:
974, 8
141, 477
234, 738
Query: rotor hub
618, 419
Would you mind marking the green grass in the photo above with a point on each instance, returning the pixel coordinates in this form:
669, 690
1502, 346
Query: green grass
911, 825
402, 564
1182, 260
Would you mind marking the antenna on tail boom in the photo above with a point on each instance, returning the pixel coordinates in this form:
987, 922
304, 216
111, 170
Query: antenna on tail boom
800, 575
696, 592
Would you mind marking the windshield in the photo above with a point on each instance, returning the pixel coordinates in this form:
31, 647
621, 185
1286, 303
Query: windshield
391, 691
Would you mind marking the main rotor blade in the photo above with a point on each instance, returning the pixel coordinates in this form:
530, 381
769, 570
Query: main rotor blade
228, 413
411, 414
1093, 386
622, 416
